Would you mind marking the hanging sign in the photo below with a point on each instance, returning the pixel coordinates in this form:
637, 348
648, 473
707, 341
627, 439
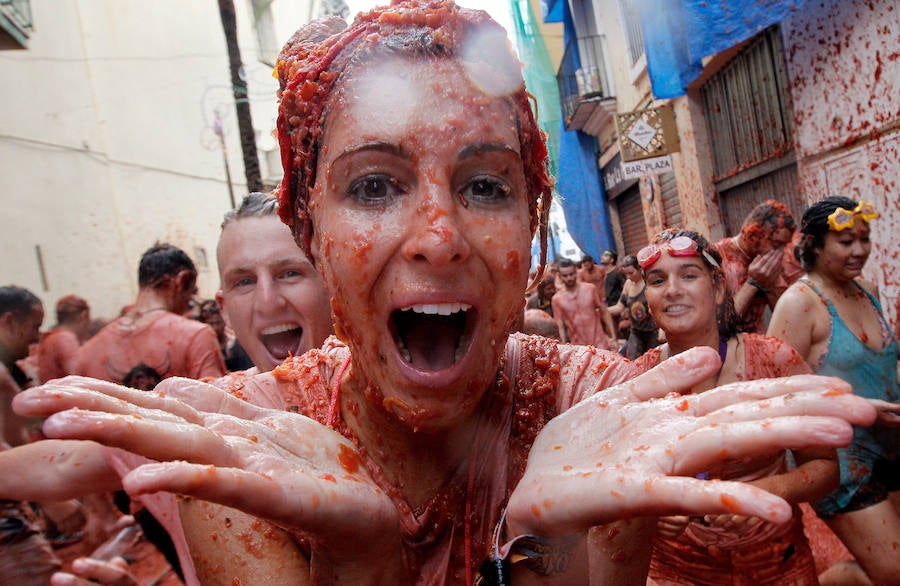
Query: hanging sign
647, 133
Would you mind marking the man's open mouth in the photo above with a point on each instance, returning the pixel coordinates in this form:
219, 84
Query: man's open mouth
282, 341
433, 336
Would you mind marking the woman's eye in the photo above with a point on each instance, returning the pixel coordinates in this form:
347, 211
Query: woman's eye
374, 189
485, 189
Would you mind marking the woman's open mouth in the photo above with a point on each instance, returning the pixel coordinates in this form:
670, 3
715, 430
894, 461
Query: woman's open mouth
433, 336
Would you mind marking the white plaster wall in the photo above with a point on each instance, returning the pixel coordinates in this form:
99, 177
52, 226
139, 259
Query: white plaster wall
107, 143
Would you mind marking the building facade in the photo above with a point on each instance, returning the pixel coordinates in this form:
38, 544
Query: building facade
805, 108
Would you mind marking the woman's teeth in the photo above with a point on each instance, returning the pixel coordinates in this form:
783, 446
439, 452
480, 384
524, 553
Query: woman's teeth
437, 308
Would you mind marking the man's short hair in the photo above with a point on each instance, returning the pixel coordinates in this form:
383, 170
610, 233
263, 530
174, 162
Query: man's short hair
772, 214
587, 258
160, 261
68, 307
17, 300
565, 262
254, 205
611, 254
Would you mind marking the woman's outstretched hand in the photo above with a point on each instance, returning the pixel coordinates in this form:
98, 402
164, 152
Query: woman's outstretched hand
634, 450
280, 466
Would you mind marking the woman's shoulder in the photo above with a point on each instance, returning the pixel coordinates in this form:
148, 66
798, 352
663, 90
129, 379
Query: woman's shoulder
869, 287
800, 296
768, 356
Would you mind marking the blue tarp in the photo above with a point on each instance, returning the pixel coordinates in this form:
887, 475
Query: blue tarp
678, 34
552, 10
578, 180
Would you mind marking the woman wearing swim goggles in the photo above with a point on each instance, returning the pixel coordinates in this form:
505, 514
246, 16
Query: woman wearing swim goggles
677, 246
688, 298
842, 218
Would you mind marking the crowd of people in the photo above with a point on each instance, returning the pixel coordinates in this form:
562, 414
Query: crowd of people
372, 397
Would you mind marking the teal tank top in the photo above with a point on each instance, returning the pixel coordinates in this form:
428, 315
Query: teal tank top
873, 374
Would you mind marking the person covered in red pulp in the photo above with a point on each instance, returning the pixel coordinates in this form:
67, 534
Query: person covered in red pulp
426, 443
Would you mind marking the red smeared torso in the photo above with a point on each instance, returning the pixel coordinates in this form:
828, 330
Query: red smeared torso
170, 344
579, 313
547, 379
56, 354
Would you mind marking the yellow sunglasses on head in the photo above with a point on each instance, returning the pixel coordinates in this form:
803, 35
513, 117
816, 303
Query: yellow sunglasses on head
842, 218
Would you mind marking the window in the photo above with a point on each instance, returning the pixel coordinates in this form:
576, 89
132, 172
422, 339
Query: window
631, 24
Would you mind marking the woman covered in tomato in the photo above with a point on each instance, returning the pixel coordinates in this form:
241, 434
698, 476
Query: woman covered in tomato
426, 443
689, 300
833, 317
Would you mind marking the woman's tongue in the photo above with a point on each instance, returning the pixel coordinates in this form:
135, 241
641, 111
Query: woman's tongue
431, 343
283, 344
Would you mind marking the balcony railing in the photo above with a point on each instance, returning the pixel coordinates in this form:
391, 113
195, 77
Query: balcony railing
582, 75
15, 23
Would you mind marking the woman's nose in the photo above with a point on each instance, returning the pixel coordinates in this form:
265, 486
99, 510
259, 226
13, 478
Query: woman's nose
436, 235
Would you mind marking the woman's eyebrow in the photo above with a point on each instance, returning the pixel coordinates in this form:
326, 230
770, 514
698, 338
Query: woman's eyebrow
373, 145
481, 148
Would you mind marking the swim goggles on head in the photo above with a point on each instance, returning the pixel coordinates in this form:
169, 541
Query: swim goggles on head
678, 246
842, 218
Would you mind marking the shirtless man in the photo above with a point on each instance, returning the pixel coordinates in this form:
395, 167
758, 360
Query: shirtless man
154, 332
594, 274
580, 311
58, 349
753, 262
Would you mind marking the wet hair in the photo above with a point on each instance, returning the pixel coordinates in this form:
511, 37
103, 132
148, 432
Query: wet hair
319, 55
612, 254
142, 377
18, 300
70, 307
727, 318
814, 226
547, 280
631, 261
254, 205
565, 263
160, 261
769, 216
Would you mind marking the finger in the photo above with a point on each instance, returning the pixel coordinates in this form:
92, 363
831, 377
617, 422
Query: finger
67, 579
675, 375
114, 571
700, 449
814, 403
885, 406
577, 505
298, 505
755, 390
48, 399
207, 398
146, 437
